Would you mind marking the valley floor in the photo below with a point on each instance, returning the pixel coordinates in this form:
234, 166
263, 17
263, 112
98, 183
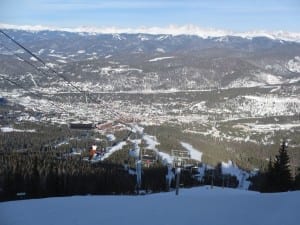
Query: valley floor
201, 205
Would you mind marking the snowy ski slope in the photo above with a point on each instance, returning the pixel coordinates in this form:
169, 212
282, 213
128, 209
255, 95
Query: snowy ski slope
197, 206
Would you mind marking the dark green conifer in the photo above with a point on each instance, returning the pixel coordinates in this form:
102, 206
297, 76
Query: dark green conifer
282, 178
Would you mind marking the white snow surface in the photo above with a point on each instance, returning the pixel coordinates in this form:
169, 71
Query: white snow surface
195, 154
33, 59
168, 30
160, 58
110, 137
10, 129
201, 205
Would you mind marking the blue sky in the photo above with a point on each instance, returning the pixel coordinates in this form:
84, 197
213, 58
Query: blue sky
235, 15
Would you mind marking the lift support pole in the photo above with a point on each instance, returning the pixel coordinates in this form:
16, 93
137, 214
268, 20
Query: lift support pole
178, 170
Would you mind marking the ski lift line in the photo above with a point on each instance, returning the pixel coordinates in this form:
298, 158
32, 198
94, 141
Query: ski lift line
25, 60
56, 73
30, 92
40, 60
53, 71
107, 106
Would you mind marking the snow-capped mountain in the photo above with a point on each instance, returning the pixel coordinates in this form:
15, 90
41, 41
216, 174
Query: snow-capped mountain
112, 61
169, 30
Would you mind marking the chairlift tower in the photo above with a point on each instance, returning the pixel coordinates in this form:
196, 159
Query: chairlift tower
136, 154
179, 161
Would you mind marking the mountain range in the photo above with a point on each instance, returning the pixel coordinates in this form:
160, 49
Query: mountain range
233, 93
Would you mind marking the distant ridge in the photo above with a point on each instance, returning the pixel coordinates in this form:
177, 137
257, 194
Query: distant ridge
169, 30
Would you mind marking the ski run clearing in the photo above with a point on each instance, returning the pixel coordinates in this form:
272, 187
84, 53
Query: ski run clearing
201, 205
194, 153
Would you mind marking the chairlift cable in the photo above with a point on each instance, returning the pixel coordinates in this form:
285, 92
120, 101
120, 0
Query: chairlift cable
56, 73
113, 112
30, 92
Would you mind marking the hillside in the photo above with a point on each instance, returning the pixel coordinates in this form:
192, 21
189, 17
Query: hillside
232, 97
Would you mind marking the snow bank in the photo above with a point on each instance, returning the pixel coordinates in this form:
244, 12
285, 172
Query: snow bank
194, 206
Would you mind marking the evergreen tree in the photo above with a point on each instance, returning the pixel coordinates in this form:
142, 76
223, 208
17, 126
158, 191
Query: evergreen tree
281, 174
268, 183
297, 181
